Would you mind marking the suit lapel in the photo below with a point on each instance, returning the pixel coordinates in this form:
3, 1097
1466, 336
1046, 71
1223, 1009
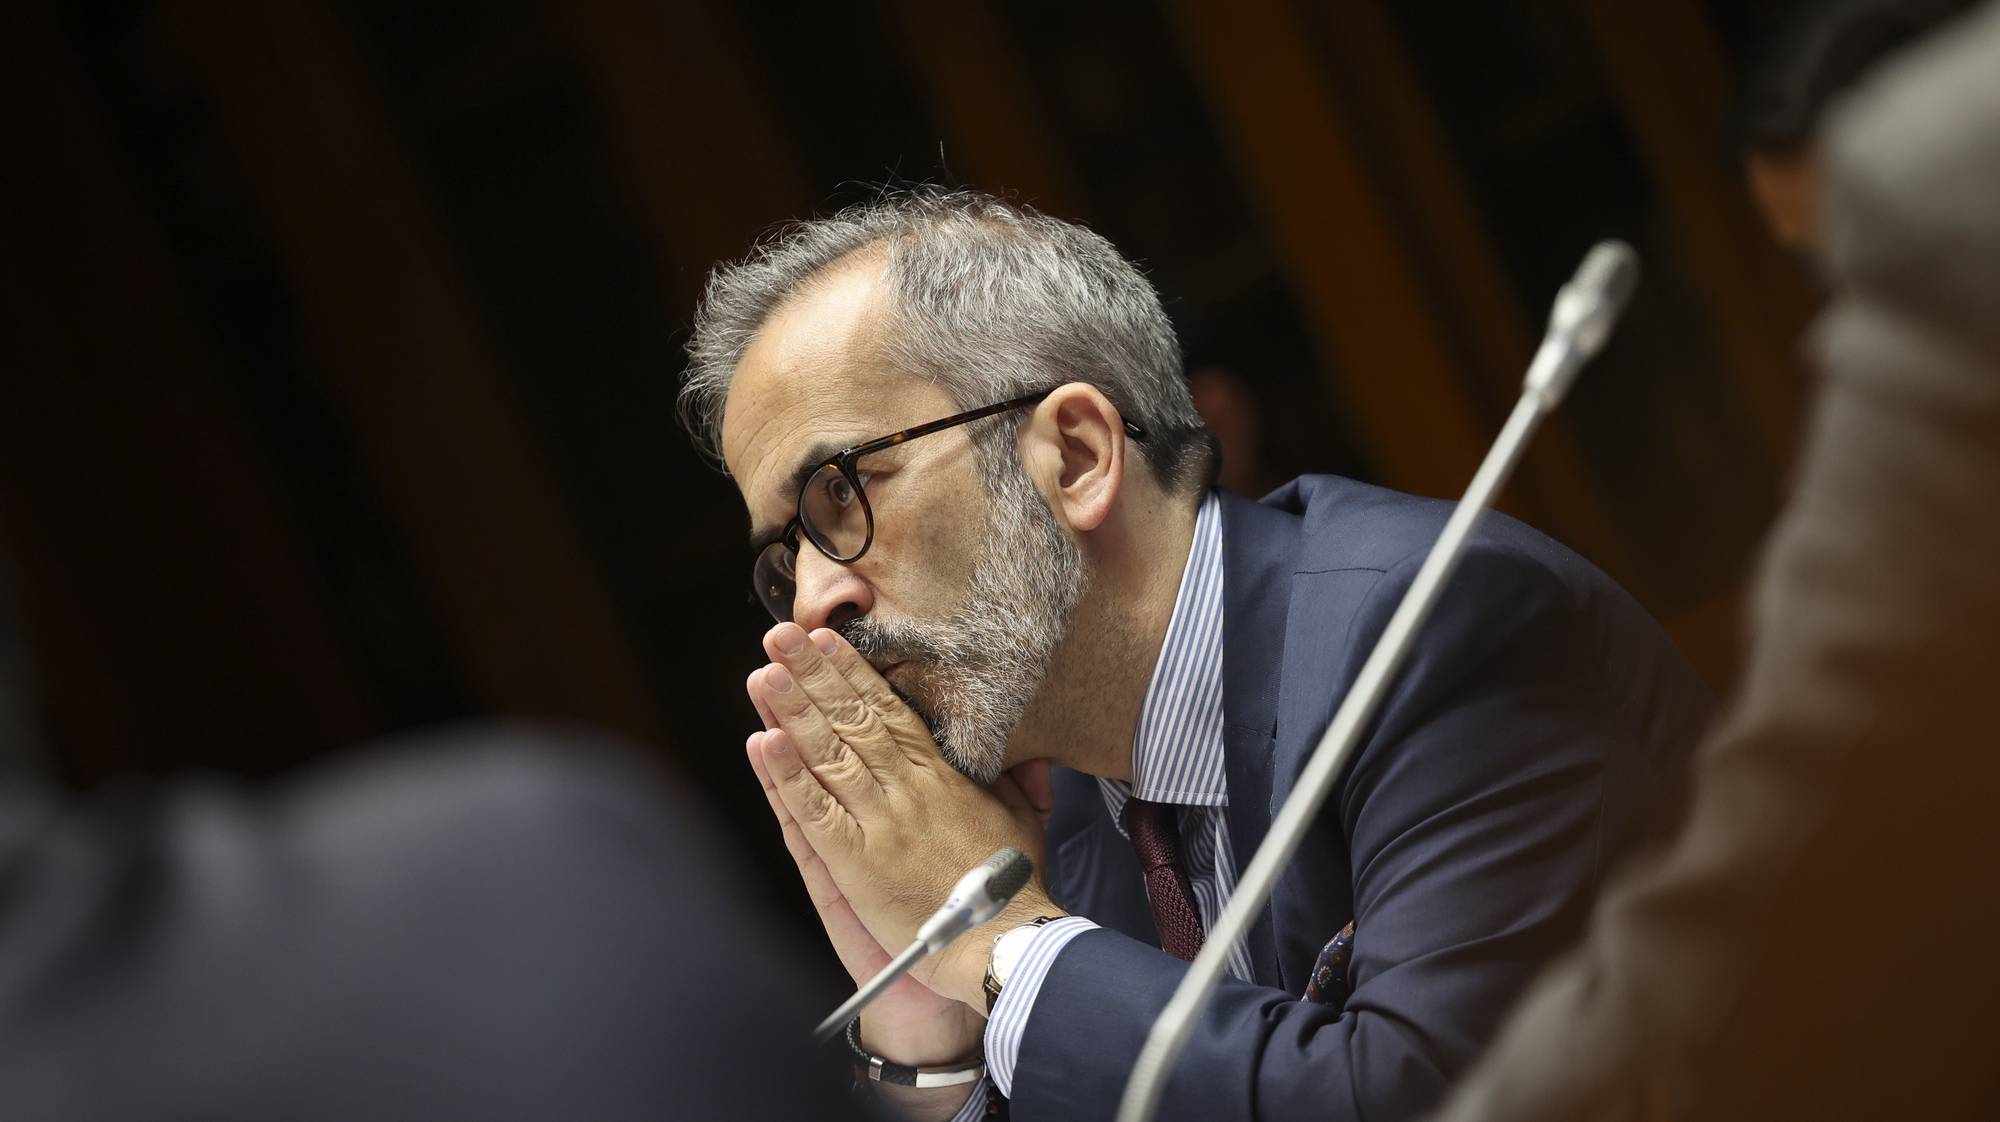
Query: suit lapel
1315, 893
1315, 890
1259, 546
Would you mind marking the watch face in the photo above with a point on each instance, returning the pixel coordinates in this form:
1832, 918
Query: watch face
1007, 951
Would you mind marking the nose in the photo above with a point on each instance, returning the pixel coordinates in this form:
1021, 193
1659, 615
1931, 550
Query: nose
829, 594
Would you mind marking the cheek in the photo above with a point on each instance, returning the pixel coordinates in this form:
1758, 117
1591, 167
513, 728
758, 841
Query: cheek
921, 567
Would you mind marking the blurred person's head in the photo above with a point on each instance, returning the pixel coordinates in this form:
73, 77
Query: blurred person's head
1820, 54
976, 563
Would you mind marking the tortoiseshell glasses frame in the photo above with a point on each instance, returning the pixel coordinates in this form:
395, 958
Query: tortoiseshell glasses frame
833, 510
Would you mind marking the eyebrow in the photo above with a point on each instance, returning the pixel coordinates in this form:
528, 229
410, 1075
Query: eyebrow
815, 458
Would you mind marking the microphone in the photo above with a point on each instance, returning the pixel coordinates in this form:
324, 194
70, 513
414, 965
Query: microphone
977, 897
1585, 311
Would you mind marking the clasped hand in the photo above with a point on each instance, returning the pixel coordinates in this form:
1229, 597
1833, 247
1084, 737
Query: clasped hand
882, 826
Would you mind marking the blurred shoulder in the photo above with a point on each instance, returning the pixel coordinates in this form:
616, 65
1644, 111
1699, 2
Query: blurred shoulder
1913, 159
521, 782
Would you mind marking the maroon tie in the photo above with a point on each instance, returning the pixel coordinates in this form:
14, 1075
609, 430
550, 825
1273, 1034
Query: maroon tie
1156, 835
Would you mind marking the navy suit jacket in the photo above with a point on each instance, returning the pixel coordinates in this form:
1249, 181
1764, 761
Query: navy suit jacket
1536, 730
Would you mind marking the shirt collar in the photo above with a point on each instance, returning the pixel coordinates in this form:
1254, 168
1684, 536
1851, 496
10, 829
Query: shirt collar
1177, 751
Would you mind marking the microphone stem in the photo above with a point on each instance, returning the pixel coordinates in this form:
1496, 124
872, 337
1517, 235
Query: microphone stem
849, 1009
1170, 1032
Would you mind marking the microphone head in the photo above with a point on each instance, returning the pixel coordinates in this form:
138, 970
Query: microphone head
1588, 306
1611, 270
1010, 869
979, 896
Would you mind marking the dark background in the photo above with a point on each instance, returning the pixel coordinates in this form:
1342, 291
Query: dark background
343, 339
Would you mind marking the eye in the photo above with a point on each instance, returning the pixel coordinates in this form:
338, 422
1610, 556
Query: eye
840, 490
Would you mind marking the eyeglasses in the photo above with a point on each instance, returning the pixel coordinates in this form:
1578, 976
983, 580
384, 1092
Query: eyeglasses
834, 513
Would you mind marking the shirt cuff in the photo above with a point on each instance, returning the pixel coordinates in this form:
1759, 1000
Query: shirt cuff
1009, 1019
975, 1105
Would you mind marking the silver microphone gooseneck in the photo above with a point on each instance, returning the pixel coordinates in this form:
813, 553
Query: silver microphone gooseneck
977, 897
1585, 310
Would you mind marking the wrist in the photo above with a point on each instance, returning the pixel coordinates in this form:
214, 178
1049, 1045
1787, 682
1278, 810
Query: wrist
881, 1069
962, 976
948, 1041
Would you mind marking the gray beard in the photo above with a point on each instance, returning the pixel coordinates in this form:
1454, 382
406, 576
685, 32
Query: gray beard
975, 671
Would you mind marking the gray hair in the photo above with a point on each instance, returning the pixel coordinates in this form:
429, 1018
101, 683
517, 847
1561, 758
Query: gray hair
992, 300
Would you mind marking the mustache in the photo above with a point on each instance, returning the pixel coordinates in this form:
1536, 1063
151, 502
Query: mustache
881, 642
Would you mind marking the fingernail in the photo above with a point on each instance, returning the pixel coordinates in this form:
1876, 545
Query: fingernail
774, 746
778, 679
790, 638
825, 641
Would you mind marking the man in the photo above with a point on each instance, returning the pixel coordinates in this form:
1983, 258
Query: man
501, 924
979, 494
1825, 48
1818, 943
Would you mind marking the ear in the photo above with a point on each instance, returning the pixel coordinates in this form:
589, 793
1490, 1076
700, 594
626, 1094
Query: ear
1075, 446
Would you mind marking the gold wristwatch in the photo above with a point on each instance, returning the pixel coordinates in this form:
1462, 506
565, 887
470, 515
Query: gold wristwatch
1006, 952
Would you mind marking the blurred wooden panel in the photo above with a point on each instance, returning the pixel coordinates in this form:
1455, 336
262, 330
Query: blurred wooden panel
458, 463
1668, 73
1446, 232
1414, 418
688, 101
173, 612
982, 92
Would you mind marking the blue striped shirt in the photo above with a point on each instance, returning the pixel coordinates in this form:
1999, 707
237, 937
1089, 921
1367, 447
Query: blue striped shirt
1176, 758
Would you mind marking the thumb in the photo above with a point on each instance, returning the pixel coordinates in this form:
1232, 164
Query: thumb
1035, 781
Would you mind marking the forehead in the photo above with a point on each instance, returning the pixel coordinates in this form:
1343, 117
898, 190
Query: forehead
814, 374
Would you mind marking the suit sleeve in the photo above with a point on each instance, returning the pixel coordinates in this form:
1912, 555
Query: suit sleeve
1470, 827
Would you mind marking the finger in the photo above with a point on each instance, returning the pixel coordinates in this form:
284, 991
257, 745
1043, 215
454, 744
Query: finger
754, 749
831, 755
1036, 778
750, 686
777, 692
868, 683
819, 881
795, 840
827, 825
862, 726
1011, 796
1020, 801
810, 866
858, 950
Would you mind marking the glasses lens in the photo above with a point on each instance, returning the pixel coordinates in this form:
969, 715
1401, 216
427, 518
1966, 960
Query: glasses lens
834, 514
775, 581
